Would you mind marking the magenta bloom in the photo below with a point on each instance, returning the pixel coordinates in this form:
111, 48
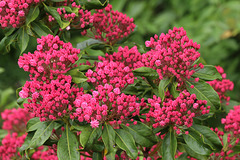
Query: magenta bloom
110, 26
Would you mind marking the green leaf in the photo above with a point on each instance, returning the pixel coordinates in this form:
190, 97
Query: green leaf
17, 91
94, 4
84, 67
78, 127
192, 153
97, 156
6, 42
42, 134
173, 90
162, 87
169, 146
194, 141
23, 39
86, 43
77, 76
208, 137
21, 101
125, 141
183, 157
67, 146
33, 124
40, 29
53, 11
3, 133
208, 73
204, 91
142, 134
25, 146
8, 31
108, 137
146, 72
89, 135
32, 14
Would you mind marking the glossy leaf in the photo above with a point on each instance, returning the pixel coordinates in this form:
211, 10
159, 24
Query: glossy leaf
55, 14
42, 134
173, 90
25, 146
33, 124
94, 4
84, 67
142, 134
162, 87
67, 146
8, 31
86, 43
195, 143
77, 76
3, 133
204, 91
40, 29
108, 137
125, 141
23, 39
97, 156
146, 72
208, 137
89, 135
169, 146
208, 73
32, 14
192, 153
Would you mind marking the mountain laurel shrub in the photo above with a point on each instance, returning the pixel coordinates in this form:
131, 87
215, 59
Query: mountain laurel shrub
109, 99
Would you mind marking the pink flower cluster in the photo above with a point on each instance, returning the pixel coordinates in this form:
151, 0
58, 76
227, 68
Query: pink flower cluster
107, 104
50, 100
79, 21
116, 69
129, 57
110, 26
114, 73
10, 145
224, 153
52, 58
172, 54
232, 121
178, 112
50, 92
13, 12
50, 154
15, 120
222, 86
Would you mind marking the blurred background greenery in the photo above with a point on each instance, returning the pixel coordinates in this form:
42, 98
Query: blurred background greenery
215, 24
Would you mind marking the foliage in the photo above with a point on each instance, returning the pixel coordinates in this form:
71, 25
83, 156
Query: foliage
160, 100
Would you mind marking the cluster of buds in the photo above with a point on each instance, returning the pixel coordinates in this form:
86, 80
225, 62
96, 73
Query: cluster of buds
10, 146
13, 12
50, 91
228, 148
172, 54
178, 112
110, 26
15, 120
129, 57
106, 104
232, 121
